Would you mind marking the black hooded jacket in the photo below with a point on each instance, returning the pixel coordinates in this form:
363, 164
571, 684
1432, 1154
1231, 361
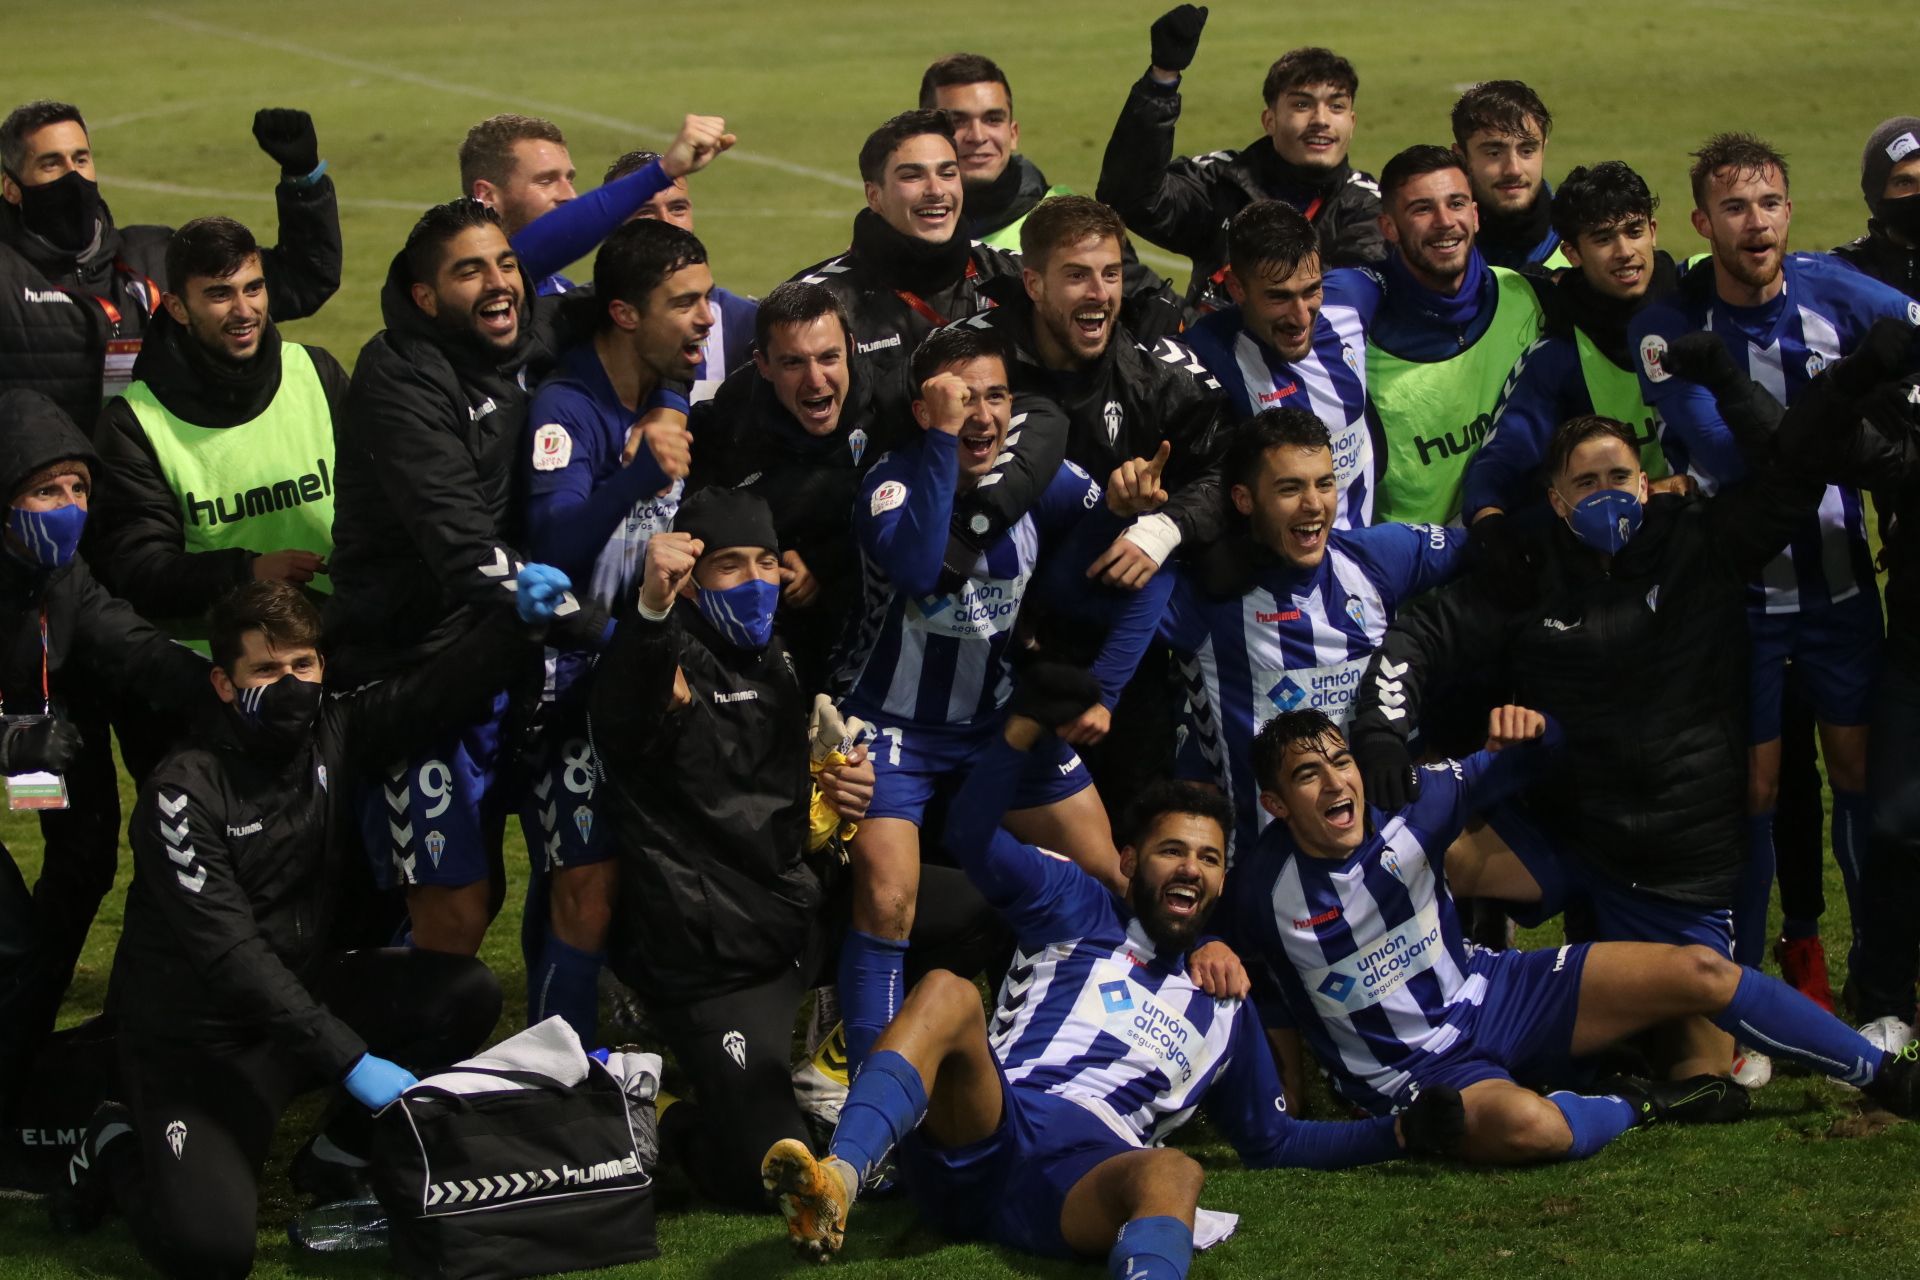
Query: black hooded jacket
93, 640
424, 513
1877, 254
1184, 205
139, 535
54, 330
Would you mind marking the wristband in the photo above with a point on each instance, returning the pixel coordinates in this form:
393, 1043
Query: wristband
1155, 534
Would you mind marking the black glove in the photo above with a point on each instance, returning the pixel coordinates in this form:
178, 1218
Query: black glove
1501, 557
1053, 693
38, 743
1701, 357
1386, 770
1176, 35
1435, 1122
1749, 410
286, 134
1887, 352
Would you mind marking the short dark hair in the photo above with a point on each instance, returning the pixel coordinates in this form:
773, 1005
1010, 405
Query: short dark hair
1171, 795
1270, 231
213, 247
891, 136
1576, 431
278, 610
961, 68
956, 344
1743, 153
635, 258
29, 118
1060, 221
1505, 108
1303, 727
1590, 199
1305, 67
1271, 429
798, 302
631, 162
427, 242
1416, 162
487, 150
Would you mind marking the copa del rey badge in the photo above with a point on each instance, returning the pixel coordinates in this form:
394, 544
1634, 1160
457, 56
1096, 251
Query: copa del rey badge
552, 448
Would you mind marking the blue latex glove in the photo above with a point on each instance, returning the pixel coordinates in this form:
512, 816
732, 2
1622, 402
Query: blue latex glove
374, 1082
541, 589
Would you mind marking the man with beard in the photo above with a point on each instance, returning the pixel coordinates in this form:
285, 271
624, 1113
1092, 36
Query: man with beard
1043, 1131
229, 995
1349, 909
424, 538
219, 457
1185, 205
1583, 362
1500, 130
1443, 331
1783, 318
77, 292
1001, 184
796, 429
1890, 180
1293, 340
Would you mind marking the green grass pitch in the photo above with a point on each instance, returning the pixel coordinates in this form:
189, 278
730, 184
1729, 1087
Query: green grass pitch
170, 88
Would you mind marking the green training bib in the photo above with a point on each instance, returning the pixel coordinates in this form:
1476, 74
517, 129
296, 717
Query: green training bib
1615, 393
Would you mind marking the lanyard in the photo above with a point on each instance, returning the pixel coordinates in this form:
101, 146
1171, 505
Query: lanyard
927, 313
143, 281
46, 693
1309, 213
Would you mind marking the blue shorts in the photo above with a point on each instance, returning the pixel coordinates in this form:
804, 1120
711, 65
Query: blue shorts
1523, 1027
911, 762
1009, 1188
1620, 913
1836, 653
563, 825
427, 821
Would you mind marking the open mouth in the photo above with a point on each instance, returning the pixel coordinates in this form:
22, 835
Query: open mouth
1181, 899
1446, 246
1091, 324
242, 332
1341, 814
816, 410
1310, 536
1318, 142
497, 315
933, 216
694, 351
1629, 275
976, 447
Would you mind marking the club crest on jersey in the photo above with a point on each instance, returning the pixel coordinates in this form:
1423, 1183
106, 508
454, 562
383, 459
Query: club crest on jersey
857, 444
1913, 313
1114, 416
1357, 611
583, 821
321, 773
176, 1133
1815, 363
436, 845
736, 1046
1353, 361
1652, 347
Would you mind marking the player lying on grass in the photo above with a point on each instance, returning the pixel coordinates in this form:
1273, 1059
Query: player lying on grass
1042, 1132
1350, 911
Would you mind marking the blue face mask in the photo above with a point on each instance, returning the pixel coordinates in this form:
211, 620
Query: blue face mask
742, 614
1606, 519
47, 538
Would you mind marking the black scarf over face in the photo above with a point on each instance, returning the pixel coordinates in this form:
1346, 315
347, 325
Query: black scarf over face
908, 262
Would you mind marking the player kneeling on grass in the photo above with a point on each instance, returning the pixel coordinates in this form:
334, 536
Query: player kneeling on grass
1350, 911
1042, 1131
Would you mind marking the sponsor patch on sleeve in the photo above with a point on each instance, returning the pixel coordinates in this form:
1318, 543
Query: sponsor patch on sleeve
552, 447
1651, 348
888, 496
1913, 313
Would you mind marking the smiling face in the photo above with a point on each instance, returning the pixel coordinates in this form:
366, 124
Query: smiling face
669, 333
1174, 877
1616, 260
807, 365
1433, 221
669, 204
1745, 218
1076, 300
1280, 308
542, 180
1291, 503
1318, 794
983, 126
919, 191
1507, 169
1311, 125
989, 410
477, 288
225, 314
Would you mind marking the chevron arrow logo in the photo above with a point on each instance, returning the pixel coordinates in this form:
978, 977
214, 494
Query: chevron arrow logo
435, 1193
500, 566
470, 1189
182, 856
550, 1176
174, 835
195, 882
402, 836
1392, 670
172, 807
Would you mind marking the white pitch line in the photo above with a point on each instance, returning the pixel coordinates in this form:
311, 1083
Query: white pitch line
647, 132
149, 113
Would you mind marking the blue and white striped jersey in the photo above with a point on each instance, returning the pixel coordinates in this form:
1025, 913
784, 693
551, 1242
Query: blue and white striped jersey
1823, 312
1299, 638
1366, 953
1330, 382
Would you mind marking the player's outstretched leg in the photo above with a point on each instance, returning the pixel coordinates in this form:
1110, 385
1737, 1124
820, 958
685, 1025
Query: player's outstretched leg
1507, 1124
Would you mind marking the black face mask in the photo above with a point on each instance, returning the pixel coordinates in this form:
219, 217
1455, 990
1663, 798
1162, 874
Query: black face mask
278, 716
1902, 217
65, 212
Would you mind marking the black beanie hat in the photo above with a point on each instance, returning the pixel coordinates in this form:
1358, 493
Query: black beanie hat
1895, 140
727, 518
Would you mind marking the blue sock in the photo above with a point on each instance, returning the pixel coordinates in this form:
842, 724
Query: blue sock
1772, 1017
1852, 825
883, 1106
1152, 1249
566, 982
873, 976
1595, 1121
1756, 887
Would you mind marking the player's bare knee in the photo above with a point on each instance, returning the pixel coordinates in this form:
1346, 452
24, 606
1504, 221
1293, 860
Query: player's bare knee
1706, 977
1536, 1133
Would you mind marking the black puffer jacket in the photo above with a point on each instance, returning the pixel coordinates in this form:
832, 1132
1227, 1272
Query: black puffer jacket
139, 535
55, 342
1876, 254
709, 804
1642, 661
1184, 205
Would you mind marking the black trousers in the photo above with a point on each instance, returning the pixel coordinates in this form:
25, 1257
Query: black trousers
1799, 818
1890, 880
204, 1112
